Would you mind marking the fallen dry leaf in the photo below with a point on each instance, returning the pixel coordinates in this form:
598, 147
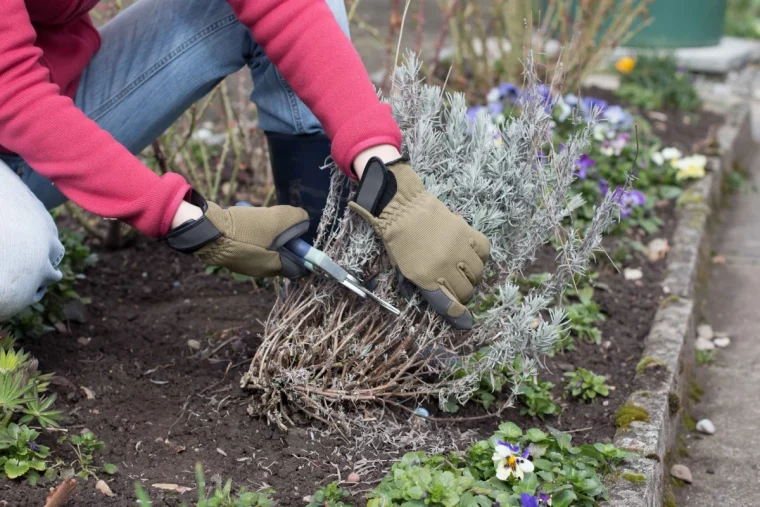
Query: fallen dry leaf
84, 340
89, 392
103, 488
719, 259
172, 487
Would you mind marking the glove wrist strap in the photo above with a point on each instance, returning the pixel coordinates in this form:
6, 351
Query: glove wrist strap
193, 234
377, 187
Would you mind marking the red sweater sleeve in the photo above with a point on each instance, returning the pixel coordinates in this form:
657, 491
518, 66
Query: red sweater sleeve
306, 44
58, 140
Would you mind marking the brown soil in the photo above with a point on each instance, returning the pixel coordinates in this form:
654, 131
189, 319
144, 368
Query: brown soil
161, 407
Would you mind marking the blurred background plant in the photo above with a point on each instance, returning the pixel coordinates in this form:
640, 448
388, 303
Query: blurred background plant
489, 44
656, 82
743, 18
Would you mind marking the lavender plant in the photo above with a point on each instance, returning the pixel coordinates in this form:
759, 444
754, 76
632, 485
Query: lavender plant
323, 349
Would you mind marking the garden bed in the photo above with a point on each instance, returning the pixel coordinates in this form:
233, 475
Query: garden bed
162, 402
160, 406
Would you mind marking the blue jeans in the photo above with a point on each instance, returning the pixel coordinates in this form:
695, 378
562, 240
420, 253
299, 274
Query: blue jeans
158, 58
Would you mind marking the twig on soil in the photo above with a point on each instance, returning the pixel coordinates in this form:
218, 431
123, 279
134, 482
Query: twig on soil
579, 430
182, 413
60, 494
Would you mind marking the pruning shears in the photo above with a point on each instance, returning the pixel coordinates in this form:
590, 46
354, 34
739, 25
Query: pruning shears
319, 263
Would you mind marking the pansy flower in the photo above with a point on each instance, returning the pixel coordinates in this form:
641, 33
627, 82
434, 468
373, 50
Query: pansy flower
528, 500
671, 154
583, 164
690, 167
629, 201
618, 117
508, 91
510, 462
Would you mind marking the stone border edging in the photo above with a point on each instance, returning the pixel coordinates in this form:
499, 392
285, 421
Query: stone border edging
662, 382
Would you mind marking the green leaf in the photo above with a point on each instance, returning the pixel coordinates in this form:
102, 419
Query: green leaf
669, 192
37, 465
563, 439
32, 477
510, 430
536, 435
15, 468
110, 468
543, 464
564, 498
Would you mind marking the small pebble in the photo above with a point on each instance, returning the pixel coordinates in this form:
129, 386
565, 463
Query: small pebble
706, 426
605, 403
353, 478
710, 471
722, 342
704, 344
632, 274
681, 472
705, 331
194, 344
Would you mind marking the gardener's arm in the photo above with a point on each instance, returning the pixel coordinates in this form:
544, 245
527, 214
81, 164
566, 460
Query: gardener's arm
430, 246
62, 143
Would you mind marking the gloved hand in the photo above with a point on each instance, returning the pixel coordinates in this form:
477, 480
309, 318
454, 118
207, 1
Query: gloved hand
245, 240
433, 248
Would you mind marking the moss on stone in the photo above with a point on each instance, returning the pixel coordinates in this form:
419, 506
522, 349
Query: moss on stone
674, 403
645, 394
669, 300
670, 499
695, 391
689, 423
629, 413
634, 478
648, 362
691, 195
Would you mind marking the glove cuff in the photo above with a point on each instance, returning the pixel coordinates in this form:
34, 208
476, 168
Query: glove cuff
378, 185
193, 234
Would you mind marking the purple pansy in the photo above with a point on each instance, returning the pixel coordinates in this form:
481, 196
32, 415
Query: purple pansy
34, 447
528, 500
496, 108
544, 499
472, 114
583, 164
618, 117
512, 448
508, 91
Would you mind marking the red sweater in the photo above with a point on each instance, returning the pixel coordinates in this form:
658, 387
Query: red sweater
45, 45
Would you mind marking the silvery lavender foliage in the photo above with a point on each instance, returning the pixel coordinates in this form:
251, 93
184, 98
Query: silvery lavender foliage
509, 183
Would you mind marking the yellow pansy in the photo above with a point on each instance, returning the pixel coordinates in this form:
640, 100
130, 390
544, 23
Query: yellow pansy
625, 64
690, 167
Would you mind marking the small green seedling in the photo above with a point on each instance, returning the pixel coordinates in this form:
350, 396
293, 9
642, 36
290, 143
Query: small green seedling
586, 385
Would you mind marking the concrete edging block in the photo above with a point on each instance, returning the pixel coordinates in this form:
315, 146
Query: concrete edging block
661, 385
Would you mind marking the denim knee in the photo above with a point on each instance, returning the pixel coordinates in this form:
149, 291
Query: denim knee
30, 250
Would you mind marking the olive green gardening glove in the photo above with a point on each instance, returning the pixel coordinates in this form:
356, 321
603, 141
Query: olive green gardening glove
430, 246
243, 239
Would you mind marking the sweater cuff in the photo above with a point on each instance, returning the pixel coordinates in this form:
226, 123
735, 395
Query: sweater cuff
160, 206
372, 127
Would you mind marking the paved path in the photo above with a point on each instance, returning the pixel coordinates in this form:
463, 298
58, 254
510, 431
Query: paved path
726, 466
